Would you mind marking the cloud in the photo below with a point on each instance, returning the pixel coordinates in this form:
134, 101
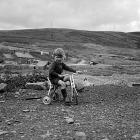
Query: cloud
118, 15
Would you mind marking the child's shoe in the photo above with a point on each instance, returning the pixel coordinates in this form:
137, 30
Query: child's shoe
64, 94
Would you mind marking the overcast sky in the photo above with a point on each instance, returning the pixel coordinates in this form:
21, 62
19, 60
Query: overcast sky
94, 15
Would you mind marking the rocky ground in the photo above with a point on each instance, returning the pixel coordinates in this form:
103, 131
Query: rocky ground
108, 109
109, 104
105, 112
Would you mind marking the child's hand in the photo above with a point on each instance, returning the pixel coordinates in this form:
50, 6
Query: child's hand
61, 76
79, 72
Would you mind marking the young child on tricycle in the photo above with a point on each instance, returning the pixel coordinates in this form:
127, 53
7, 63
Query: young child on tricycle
55, 73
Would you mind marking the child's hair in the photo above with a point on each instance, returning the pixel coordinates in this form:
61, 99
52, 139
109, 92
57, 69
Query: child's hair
59, 52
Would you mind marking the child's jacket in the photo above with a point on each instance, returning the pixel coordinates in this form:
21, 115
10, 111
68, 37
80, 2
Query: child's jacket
57, 68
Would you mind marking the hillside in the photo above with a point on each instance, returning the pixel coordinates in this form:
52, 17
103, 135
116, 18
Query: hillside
108, 92
105, 38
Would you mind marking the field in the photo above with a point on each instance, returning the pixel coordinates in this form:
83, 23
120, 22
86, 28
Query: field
109, 98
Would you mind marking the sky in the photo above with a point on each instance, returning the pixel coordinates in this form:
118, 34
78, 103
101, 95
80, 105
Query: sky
92, 15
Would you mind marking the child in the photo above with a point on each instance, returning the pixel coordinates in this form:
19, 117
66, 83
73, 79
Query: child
55, 72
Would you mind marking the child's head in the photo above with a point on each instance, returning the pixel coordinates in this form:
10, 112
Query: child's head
59, 54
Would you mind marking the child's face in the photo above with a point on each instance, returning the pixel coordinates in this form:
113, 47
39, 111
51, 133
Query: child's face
58, 59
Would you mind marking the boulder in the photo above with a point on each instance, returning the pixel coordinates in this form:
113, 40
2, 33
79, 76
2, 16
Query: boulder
36, 86
136, 136
3, 132
69, 120
80, 136
3, 87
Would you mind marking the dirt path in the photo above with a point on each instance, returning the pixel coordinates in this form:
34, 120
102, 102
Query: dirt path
104, 113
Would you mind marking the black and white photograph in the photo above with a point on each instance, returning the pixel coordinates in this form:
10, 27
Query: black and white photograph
69, 69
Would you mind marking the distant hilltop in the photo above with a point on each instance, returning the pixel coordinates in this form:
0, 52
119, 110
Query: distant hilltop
104, 38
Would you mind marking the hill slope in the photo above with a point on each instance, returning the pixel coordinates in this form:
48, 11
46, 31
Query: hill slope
105, 38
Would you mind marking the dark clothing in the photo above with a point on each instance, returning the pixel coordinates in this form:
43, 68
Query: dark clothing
55, 80
56, 69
